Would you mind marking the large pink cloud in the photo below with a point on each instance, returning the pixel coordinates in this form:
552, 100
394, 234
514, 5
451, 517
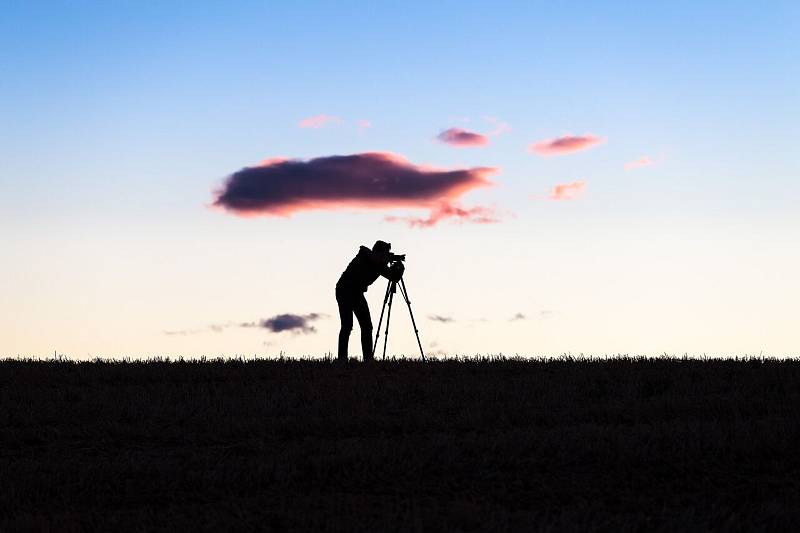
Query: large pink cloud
318, 121
567, 191
565, 145
376, 180
462, 138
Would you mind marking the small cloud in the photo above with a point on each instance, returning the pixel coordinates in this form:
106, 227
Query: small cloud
286, 322
182, 332
539, 315
474, 215
567, 191
564, 145
442, 319
363, 124
500, 127
461, 138
433, 351
644, 161
473, 322
318, 121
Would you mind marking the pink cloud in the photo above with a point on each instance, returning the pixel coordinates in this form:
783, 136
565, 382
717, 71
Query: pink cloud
564, 145
373, 180
567, 191
364, 124
474, 215
462, 138
644, 161
318, 121
272, 161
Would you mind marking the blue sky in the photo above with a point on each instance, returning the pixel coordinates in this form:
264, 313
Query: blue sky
118, 121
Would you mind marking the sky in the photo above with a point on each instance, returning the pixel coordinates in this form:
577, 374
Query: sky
586, 177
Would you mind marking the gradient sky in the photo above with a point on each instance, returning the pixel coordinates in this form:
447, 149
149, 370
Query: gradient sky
118, 121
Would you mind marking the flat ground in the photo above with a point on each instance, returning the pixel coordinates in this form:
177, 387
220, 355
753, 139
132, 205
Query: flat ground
623, 444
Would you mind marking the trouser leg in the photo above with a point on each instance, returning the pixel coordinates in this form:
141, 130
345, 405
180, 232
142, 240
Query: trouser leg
346, 318
361, 310
344, 340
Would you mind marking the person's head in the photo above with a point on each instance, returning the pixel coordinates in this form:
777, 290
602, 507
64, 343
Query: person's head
381, 251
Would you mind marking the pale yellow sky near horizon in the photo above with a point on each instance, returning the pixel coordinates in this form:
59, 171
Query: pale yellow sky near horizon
602, 289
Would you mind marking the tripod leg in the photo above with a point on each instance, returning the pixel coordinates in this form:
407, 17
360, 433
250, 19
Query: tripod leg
383, 308
404, 291
388, 316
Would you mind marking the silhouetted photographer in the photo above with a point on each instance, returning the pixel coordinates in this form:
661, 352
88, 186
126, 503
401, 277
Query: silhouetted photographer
362, 271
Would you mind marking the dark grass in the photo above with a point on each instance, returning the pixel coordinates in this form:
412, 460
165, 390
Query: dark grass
615, 445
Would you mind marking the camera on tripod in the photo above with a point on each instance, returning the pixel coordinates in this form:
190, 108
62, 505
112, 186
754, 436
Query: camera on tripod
396, 269
395, 275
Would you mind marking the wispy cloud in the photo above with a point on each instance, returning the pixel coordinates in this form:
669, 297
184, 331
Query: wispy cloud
182, 332
318, 121
214, 328
499, 128
363, 124
442, 319
377, 180
276, 324
644, 161
473, 215
564, 145
461, 138
567, 191
544, 314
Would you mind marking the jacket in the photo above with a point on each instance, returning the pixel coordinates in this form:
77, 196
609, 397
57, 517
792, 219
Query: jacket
362, 272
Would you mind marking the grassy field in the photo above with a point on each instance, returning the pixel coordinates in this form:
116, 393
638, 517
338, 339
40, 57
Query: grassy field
615, 445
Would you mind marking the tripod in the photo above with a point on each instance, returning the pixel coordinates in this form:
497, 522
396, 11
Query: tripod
391, 288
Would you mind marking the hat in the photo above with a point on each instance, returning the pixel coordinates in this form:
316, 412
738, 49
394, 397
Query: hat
381, 246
